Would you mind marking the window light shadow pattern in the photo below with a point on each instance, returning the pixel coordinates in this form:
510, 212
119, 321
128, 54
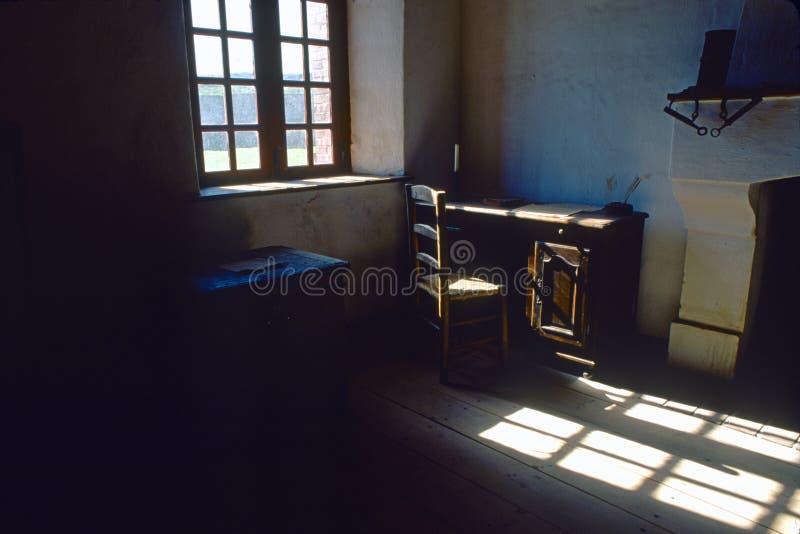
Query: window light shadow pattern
654, 449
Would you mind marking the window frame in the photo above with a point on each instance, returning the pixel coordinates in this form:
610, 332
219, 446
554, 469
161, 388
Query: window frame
269, 85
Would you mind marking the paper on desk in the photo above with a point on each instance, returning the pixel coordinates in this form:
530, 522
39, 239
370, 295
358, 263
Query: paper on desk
251, 264
553, 210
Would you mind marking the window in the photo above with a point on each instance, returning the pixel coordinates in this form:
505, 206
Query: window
269, 88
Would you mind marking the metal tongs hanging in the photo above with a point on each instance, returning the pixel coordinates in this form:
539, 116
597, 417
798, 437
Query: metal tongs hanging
701, 130
723, 114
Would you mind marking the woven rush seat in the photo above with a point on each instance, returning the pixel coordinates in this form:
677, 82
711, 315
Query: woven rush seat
458, 286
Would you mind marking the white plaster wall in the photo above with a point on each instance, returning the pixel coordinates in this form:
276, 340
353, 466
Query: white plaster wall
364, 225
562, 101
375, 50
432, 70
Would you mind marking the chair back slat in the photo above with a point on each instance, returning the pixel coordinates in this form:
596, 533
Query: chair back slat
424, 193
426, 231
421, 196
428, 259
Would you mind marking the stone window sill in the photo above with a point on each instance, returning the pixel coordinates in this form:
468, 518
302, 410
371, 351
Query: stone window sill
293, 186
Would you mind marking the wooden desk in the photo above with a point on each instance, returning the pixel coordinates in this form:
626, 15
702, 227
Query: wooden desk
594, 219
585, 268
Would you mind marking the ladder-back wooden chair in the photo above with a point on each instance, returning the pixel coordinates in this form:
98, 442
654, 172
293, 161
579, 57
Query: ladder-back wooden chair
435, 278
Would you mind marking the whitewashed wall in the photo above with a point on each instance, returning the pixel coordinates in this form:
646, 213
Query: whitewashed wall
562, 101
375, 49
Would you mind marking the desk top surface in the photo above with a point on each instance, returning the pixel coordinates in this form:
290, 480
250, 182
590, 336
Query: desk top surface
592, 219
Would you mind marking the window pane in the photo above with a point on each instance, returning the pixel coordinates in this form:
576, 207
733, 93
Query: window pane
296, 148
237, 15
317, 18
212, 104
247, 156
319, 63
292, 60
291, 14
208, 56
215, 151
320, 105
241, 62
294, 104
245, 110
323, 147
205, 14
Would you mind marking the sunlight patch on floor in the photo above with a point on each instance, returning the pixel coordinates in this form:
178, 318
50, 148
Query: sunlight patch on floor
709, 502
794, 504
599, 466
631, 451
779, 435
653, 399
786, 523
789, 521
615, 394
545, 422
736, 498
680, 407
735, 438
524, 440
665, 417
731, 480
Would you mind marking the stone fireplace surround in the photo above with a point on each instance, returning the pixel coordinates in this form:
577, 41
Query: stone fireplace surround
715, 180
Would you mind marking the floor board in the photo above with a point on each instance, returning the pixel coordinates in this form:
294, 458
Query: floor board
574, 454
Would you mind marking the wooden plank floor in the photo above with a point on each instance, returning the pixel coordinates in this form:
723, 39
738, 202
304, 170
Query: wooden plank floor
534, 450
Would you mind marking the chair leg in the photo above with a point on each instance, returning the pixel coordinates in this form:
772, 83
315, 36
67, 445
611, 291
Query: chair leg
504, 328
417, 308
445, 338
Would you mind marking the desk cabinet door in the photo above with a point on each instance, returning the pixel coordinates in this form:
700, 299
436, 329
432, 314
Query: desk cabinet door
557, 306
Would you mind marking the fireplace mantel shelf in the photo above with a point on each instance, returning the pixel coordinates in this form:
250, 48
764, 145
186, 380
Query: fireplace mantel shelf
690, 94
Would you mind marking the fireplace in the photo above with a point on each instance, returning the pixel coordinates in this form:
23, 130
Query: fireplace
718, 182
724, 183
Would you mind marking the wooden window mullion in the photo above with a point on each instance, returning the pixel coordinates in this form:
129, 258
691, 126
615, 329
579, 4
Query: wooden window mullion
226, 72
265, 20
306, 86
